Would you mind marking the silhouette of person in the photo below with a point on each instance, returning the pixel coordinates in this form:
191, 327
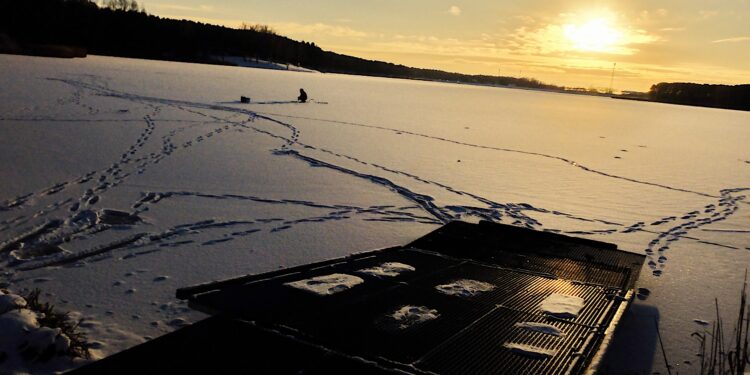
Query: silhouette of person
302, 96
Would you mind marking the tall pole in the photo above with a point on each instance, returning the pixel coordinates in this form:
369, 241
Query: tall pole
612, 79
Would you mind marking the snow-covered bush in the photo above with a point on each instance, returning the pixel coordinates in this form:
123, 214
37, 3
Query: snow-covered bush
35, 337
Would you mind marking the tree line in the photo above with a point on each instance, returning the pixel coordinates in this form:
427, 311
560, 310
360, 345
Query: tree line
719, 96
123, 28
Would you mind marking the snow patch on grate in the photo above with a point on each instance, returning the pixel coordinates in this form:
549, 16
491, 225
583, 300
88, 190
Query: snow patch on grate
328, 284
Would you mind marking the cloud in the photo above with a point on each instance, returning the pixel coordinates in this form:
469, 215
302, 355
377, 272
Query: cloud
651, 15
454, 10
569, 34
227, 22
672, 29
706, 14
429, 44
733, 40
316, 29
525, 19
180, 7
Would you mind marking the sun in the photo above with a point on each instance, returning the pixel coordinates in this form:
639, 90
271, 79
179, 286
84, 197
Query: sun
594, 35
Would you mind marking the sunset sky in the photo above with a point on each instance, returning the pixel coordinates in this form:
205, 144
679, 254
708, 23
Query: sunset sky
571, 43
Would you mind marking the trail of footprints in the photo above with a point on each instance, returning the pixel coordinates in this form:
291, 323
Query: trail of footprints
95, 184
133, 161
114, 174
76, 99
100, 182
656, 250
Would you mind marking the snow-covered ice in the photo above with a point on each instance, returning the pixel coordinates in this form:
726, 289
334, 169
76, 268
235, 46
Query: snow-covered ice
387, 269
545, 328
464, 288
409, 316
562, 305
327, 284
117, 172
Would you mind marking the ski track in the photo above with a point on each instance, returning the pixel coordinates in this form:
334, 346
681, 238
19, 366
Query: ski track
55, 222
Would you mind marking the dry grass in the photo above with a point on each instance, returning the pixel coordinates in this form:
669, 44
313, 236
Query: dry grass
721, 355
52, 318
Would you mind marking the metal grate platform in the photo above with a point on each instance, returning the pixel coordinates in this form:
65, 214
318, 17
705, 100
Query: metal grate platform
354, 328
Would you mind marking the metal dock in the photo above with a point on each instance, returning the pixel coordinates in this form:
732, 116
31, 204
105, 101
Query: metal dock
261, 324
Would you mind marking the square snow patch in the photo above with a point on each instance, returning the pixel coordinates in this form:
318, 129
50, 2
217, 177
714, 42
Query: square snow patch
465, 288
328, 284
389, 269
562, 305
547, 329
408, 315
530, 350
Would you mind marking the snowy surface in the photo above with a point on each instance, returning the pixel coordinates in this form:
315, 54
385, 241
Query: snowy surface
530, 350
547, 329
26, 346
327, 284
562, 306
109, 338
464, 288
215, 189
409, 316
387, 269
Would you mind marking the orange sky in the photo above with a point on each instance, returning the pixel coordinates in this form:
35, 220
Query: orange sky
571, 43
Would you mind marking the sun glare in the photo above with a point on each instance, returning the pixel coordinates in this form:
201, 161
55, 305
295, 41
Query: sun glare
596, 35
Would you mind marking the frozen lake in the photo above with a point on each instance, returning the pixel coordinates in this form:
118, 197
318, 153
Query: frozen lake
200, 187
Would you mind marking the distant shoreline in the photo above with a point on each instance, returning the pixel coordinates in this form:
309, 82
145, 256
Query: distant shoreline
63, 51
218, 61
676, 103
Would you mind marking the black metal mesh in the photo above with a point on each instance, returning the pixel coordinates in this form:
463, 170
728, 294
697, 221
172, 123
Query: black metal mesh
480, 349
468, 333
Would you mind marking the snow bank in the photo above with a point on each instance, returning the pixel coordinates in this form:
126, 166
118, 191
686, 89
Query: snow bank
408, 316
10, 301
328, 284
465, 288
541, 328
562, 305
388, 269
28, 347
530, 350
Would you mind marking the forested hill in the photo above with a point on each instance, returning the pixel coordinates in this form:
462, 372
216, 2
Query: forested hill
720, 96
122, 29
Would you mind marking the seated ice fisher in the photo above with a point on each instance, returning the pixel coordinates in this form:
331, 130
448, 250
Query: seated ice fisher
302, 96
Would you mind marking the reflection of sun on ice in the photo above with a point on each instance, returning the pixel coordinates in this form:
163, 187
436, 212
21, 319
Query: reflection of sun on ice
595, 35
